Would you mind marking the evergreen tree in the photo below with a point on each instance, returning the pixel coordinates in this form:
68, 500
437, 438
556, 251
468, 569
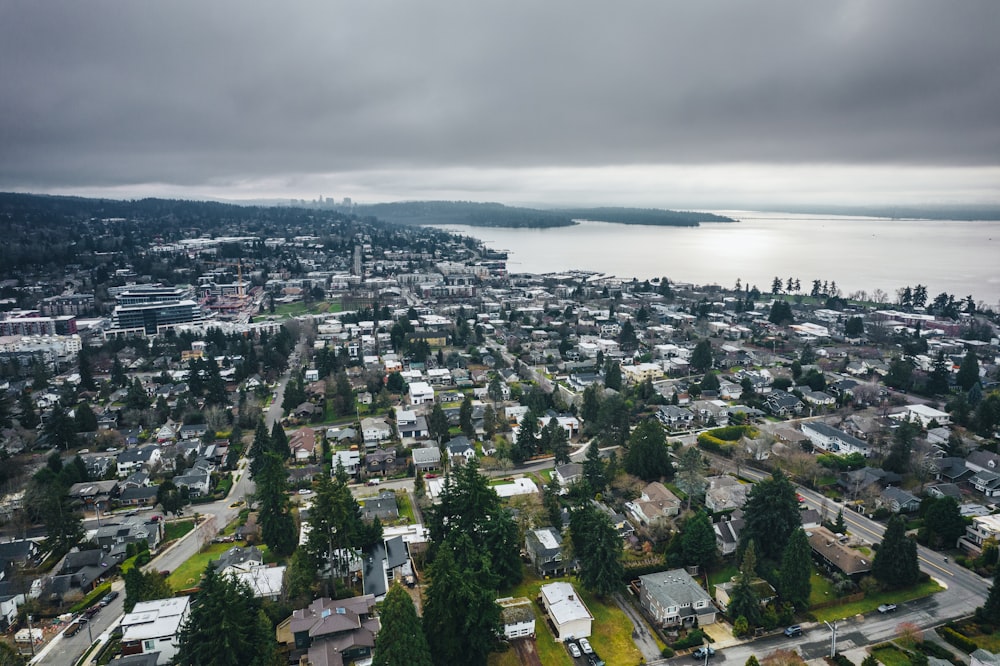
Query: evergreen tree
276, 521
795, 571
261, 445
465, 417
84, 418
60, 429
990, 610
839, 525
691, 473
278, 442
86, 369
401, 640
943, 522
613, 376
489, 423
895, 564
118, 377
144, 586
29, 415
559, 442
744, 601
461, 617
968, 372
938, 382
593, 469
437, 425
136, 397
598, 549
550, 500
771, 515
702, 357
226, 627
698, 540
647, 456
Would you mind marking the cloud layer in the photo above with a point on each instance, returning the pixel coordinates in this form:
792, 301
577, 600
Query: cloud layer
523, 101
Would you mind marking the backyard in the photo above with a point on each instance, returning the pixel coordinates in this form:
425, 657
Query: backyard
188, 574
612, 630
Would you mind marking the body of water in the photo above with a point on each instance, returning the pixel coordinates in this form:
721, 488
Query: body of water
858, 253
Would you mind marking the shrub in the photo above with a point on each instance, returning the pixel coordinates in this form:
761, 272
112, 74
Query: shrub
693, 638
667, 652
960, 641
840, 660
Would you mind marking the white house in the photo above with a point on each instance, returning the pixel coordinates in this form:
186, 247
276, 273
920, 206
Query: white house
351, 460
673, 598
831, 439
923, 414
421, 393
517, 617
152, 626
569, 615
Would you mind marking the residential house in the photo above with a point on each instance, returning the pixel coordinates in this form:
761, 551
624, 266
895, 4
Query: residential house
922, 414
386, 561
114, 539
781, 403
11, 598
819, 398
545, 551
142, 496
951, 469
982, 529
568, 474
983, 461
302, 444
834, 554
673, 598
941, 490
331, 632
859, 482
266, 582
725, 493
460, 450
831, 439
383, 506
569, 615
427, 458
898, 500
421, 393
20, 554
986, 482
154, 626
410, 425
239, 559
724, 591
94, 494
194, 431
674, 417
142, 458
517, 617
349, 460
197, 480
382, 461
983, 657
727, 533
656, 503
375, 430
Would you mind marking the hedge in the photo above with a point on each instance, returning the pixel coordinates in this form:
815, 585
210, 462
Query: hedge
840, 660
960, 641
694, 637
89, 600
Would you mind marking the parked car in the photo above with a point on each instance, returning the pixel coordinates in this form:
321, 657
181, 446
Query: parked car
703, 651
585, 646
92, 611
792, 631
75, 627
594, 660
374, 482
887, 608
305, 491
574, 650
109, 597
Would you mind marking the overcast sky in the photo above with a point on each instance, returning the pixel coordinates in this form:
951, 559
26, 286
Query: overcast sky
659, 103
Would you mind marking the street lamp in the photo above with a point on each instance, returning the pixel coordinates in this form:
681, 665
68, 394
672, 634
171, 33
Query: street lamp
833, 637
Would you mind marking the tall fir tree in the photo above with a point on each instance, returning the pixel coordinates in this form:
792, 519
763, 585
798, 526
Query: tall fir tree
401, 640
279, 441
895, 564
276, 521
261, 445
796, 570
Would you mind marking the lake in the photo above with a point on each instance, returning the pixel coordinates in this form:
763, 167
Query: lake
858, 253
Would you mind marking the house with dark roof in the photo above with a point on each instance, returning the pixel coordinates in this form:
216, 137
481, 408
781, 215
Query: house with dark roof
114, 538
898, 500
460, 450
144, 496
426, 458
782, 403
383, 563
331, 632
986, 482
858, 481
143, 457
383, 506
545, 550
517, 617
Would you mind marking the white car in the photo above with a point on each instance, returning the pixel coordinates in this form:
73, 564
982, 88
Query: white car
585, 646
573, 650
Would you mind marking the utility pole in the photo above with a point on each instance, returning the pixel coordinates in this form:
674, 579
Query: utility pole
31, 637
833, 637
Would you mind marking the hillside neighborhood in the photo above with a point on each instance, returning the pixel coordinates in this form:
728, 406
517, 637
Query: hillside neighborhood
354, 440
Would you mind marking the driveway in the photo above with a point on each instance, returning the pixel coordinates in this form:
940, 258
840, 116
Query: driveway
641, 635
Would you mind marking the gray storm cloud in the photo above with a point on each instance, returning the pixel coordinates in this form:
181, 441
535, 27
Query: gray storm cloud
228, 94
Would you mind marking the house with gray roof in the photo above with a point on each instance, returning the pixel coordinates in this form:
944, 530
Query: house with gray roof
898, 500
331, 632
383, 506
673, 598
545, 550
427, 458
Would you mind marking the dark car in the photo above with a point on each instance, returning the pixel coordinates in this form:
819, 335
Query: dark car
109, 597
76, 626
92, 611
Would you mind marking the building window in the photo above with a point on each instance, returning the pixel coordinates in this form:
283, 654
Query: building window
148, 646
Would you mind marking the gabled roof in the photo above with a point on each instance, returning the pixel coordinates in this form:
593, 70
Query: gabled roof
674, 588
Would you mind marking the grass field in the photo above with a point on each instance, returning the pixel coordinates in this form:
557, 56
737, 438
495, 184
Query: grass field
189, 574
289, 310
871, 602
820, 589
891, 656
177, 529
612, 630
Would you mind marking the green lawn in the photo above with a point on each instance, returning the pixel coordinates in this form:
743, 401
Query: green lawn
288, 310
891, 656
405, 508
871, 602
820, 589
189, 574
612, 630
176, 530
722, 575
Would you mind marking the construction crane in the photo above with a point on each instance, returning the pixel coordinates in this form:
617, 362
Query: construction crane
239, 273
